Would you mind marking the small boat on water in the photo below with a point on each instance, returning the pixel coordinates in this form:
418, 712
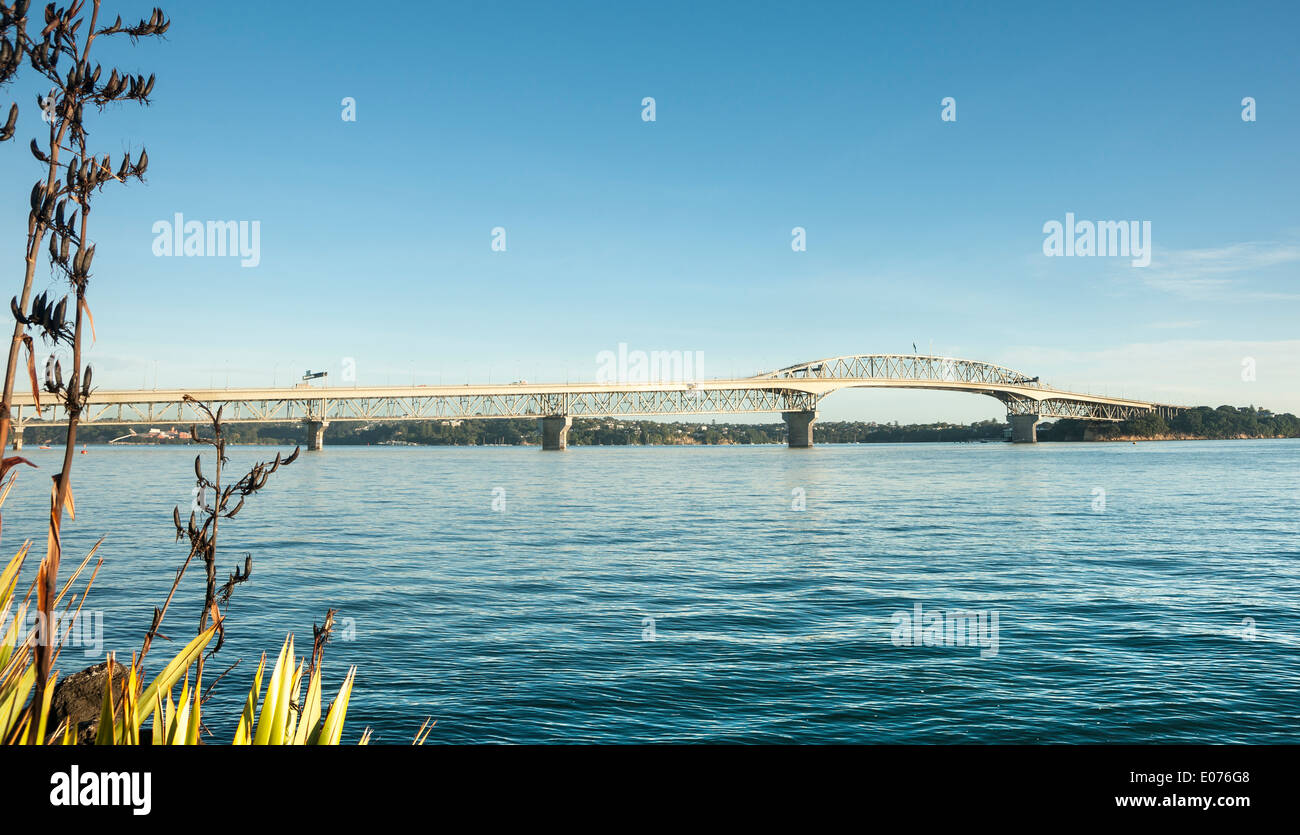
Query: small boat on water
45, 446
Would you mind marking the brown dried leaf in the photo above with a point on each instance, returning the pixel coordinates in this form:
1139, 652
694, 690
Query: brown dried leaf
12, 462
31, 372
68, 504
86, 308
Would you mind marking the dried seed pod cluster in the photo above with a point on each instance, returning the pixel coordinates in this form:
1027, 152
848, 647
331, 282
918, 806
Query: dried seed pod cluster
48, 316
13, 45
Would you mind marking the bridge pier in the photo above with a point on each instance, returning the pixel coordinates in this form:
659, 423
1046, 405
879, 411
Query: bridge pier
1023, 429
799, 431
316, 434
18, 437
555, 431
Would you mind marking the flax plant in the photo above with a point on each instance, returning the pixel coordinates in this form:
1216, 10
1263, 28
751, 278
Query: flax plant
201, 529
285, 717
61, 55
59, 50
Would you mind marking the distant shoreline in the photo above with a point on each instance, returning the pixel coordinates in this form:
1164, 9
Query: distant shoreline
1123, 438
1112, 439
1199, 423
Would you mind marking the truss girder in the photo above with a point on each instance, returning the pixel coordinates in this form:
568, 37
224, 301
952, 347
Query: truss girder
342, 407
907, 367
1056, 407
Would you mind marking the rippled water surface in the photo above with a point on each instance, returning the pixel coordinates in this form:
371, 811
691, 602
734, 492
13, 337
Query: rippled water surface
1122, 623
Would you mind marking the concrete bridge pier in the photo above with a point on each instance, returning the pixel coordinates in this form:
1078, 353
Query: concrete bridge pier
799, 429
1023, 429
555, 431
316, 434
18, 436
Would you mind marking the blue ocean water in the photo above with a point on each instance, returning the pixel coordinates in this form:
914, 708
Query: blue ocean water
1143, 593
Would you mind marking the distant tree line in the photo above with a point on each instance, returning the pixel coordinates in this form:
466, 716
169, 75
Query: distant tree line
584, 432
1201, 422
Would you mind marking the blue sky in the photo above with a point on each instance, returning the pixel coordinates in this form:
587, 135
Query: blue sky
675, 234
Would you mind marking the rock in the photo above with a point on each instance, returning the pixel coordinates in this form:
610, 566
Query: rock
80, 699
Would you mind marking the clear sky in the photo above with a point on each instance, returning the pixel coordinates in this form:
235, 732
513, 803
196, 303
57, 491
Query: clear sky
676, 234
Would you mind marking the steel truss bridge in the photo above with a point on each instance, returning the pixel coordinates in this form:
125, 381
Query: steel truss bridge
795, 392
